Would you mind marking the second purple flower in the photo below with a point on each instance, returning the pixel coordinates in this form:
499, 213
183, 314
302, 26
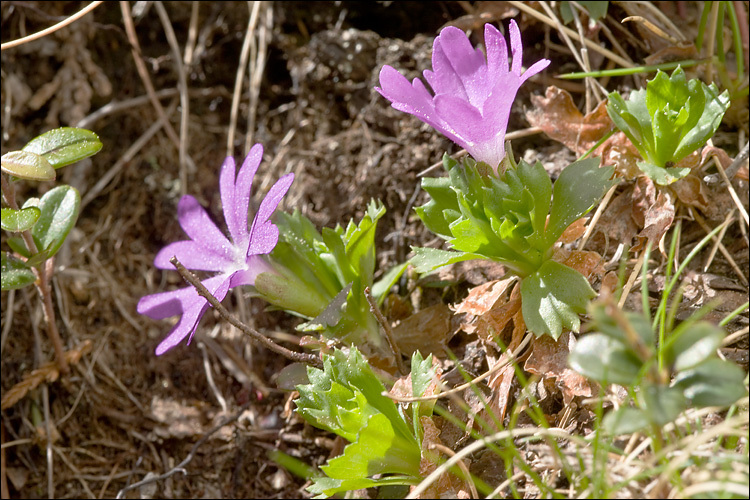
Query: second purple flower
473, 95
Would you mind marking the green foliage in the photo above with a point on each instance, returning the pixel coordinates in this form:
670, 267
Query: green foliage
49, 219
346, 398
321, 276
668, 120
15, 272
516, 219
623, 351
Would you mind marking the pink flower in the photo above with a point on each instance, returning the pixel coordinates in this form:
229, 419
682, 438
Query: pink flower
238, 261
473, 95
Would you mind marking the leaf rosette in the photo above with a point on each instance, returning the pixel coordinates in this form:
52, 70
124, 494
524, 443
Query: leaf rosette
668, 120
516, 219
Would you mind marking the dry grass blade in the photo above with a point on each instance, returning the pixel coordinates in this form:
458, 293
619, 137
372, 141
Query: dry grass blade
48, 372
52, 29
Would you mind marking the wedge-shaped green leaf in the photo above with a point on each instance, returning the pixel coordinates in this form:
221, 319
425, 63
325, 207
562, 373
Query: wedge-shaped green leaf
65, 145
625, 420
19, 220
580, 186
692, 343
662, 175
426, 260
324, 487
552, 298
605, 360
378, 450
15, 273
713, 383
381, 287
27, 165
59, 207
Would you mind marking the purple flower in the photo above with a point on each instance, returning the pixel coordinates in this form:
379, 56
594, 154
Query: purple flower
238, 261
473, 95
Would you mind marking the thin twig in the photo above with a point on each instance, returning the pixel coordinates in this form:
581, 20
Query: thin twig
181, 466
182, 86
386, 328
51, 29
496, 368
252, 333
244, 56
461, 465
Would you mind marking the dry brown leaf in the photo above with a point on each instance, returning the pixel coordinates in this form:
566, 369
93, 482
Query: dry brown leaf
617, 221
480, 300
657, 220
492, 323
48, 372
549, 358
573, 231
560, 119
586, 262
691, 190
501, 382
644, 197
427, 331
447, 485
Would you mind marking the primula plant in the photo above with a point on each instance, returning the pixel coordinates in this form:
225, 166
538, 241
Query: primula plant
668, 120
497, 214
473, 94
322, 276
516, 220
346, 398
41, 224
237, 261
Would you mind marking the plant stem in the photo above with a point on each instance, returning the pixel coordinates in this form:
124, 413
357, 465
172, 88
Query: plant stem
44, 274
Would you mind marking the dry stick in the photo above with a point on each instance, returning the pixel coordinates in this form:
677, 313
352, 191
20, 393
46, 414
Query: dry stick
636, 272
43, 273
461, 465
476, 445
718, 244
244, 56
259, 64
145, 78
51, 29
252, 333
182, 86
725, 176
498, 366
596, 216
386, 328
181, 466
589, 43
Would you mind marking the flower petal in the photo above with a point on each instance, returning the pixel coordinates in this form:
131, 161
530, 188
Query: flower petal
264, 234
198, 225
187, 301
534, 69
193, 256
516, 48
460, 68
236, 214
497, 53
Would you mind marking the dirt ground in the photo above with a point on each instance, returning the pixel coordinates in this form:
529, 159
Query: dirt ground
123, 413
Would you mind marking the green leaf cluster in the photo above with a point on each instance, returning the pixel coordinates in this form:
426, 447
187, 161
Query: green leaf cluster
623, 351
346, 398
49, 219
516, 219
668, 120
321, 276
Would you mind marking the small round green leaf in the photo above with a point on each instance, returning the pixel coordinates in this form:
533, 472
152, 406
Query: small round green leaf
605, 360
20, 220
27, 165
625, 420
59, 208
15, 272
65, 145
712, 383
